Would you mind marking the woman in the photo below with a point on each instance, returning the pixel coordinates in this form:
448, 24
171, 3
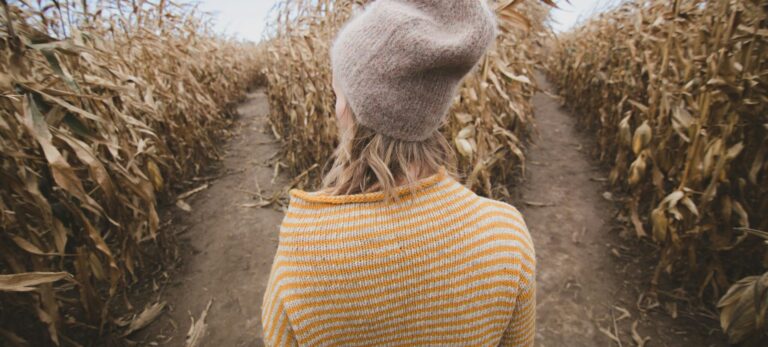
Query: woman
393, 250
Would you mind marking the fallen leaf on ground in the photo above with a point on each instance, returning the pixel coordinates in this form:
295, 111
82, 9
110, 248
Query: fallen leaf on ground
185, 195
624, 313
147, 316
197, 330
257, 204
639, 340
607, 332
183, 205
539, 204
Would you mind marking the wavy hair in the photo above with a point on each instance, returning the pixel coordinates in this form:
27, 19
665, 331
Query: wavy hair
366, 161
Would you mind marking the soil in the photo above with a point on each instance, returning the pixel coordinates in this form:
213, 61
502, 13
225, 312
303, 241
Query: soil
227, 245
591, 267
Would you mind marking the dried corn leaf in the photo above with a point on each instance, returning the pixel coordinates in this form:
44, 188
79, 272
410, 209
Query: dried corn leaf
26, 282
682, 75
743, 308
147, 316
105, 109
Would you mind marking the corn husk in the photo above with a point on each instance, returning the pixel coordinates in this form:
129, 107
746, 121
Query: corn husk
743, 309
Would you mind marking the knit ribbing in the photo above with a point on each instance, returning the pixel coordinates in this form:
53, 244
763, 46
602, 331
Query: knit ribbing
439, 266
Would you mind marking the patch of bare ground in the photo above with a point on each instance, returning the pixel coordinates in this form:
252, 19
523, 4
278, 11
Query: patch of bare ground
593, 273
227, 242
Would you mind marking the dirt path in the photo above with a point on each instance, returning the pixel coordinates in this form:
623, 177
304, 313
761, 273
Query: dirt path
591, 269
227, 248
588, 274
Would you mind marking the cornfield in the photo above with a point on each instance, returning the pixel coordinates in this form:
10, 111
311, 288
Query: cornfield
490, 121
111, 108
107, 108
676, 92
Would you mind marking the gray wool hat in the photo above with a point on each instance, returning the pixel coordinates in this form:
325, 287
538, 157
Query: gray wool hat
399, 62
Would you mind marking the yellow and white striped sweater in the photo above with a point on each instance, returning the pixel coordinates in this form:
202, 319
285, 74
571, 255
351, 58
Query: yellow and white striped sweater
441, 266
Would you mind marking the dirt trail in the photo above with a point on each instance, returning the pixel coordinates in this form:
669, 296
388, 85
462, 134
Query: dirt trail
591, 269
227, 248
585, 268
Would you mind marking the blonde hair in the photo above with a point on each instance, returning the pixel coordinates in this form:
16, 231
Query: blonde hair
366, 161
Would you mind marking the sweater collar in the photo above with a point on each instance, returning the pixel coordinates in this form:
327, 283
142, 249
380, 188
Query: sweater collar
320, 197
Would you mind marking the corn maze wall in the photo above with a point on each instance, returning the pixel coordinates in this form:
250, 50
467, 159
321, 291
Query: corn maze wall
677, 93
106, 108
489, 124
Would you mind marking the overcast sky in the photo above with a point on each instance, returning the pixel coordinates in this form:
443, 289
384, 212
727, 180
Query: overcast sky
570, 14
246, 18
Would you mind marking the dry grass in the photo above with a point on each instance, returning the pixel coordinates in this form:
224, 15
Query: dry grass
489, 123
676, 91
105, 111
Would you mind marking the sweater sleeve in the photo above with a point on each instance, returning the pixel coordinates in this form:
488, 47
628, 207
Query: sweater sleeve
522, 327
278, 331
521, 330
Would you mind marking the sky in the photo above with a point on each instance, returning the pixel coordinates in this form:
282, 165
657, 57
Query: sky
245, 19
574, 12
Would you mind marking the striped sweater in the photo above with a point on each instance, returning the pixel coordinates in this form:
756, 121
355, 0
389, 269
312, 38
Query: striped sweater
439, 266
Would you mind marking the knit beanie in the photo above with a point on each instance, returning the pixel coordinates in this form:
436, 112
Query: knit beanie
399, 62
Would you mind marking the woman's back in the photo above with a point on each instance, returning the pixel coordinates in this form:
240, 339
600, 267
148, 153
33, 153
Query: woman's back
440, 266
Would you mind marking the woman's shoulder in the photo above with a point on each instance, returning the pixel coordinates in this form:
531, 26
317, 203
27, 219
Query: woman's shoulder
504, 207
512, 220
506, 210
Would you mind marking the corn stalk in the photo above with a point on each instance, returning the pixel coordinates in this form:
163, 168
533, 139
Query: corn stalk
676, 93
107, 108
